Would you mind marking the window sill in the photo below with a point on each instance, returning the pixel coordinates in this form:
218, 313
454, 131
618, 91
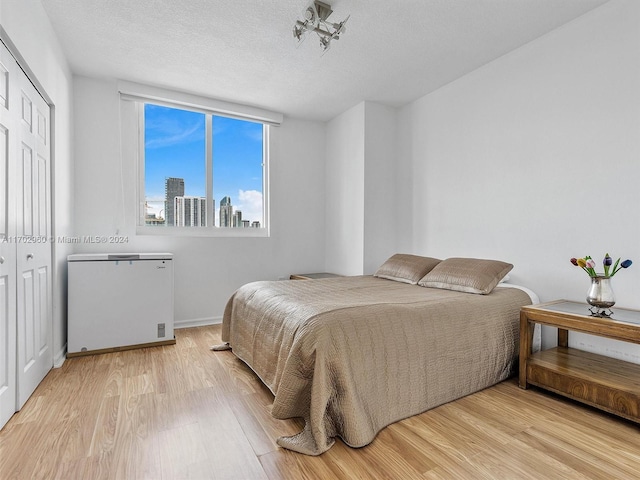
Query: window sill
203, 232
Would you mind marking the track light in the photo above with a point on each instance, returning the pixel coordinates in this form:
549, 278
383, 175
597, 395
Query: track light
315, 20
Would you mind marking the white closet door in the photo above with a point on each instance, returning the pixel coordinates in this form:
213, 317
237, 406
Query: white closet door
8, 69
33, 253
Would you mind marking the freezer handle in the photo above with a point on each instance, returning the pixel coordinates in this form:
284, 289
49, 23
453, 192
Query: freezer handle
124, 257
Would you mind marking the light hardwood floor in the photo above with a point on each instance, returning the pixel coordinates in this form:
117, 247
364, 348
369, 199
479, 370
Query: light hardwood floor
183, 411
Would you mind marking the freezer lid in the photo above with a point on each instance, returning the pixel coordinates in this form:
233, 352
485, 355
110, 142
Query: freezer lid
114, 256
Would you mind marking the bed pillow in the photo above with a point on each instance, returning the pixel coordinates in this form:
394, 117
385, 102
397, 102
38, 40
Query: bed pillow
406, 268
471, 275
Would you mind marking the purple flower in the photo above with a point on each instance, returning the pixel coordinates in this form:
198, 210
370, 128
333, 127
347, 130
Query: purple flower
607, 263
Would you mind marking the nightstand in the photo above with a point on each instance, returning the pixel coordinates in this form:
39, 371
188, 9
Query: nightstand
607, 383
313, 276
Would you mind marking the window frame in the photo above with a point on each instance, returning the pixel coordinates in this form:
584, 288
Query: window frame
142, 95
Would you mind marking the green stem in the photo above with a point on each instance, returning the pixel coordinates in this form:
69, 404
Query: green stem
615, 266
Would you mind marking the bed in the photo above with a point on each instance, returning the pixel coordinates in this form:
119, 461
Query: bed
351, 355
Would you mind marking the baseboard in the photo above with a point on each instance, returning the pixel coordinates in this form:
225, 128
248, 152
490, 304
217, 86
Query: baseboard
197, 322
60, 357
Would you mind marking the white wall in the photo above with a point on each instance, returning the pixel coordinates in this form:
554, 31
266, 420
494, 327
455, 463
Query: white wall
207, 270
28, 29
360, 198
534, 159
344, 198
380, 200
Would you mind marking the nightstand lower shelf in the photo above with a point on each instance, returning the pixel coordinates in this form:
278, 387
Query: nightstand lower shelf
600, 381
607, 383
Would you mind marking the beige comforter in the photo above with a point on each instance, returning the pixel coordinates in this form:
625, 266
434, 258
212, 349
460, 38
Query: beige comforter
351, 355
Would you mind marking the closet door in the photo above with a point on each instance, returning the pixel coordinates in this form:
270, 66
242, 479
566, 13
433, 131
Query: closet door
8, 69
33, 252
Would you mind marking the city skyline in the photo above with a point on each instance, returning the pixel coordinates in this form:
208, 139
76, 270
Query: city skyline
175, 148
188, 211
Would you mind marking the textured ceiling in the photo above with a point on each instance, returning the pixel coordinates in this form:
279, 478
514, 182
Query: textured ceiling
243, 50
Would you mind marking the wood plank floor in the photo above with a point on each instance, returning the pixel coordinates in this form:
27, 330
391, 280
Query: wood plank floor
182, 411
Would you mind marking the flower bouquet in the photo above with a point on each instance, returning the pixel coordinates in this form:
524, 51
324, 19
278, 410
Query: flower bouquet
600, 294
589, 266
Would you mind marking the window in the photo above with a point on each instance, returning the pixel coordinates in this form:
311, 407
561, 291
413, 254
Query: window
185, 152
203, 164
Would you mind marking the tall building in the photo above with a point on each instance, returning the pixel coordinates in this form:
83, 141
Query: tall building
190, 211
226, 212
237, 219
173, 187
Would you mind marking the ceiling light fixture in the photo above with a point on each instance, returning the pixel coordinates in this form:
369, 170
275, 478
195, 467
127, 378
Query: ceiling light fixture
315, 20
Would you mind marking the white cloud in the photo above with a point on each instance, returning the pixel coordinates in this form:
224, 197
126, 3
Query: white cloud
254, 135
177, 135
155, 207
250, 203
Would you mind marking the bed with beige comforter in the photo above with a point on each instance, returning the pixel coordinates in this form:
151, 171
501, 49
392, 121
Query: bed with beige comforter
352, 355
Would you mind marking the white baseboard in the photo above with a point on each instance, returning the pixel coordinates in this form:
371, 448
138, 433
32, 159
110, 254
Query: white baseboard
197, 322
60, 357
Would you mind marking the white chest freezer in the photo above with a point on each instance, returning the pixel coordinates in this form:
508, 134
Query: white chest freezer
119, 301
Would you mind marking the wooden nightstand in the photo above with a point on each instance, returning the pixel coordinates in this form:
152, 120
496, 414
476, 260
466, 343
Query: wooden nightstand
312, 276
603, 382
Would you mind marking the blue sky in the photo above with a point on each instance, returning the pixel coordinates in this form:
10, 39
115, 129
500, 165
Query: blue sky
175, 147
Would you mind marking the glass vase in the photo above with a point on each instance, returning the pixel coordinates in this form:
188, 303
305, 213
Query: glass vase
600, 293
